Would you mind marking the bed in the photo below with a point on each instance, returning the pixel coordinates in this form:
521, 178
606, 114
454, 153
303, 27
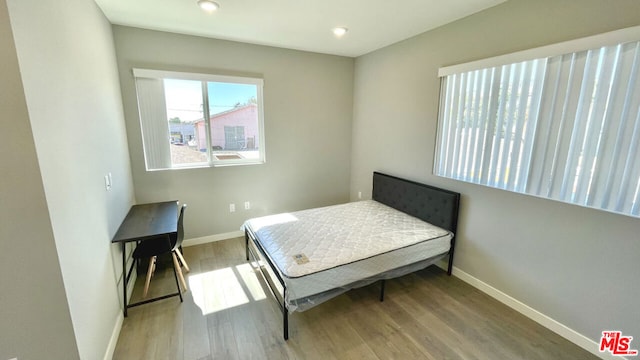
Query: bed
308, 257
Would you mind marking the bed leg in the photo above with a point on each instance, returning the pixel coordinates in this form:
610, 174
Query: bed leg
382, 290
246, 244
285, 322
450, 267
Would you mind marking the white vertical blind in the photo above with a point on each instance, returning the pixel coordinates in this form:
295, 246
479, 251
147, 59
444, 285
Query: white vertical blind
485, 134
566, 127
153, 122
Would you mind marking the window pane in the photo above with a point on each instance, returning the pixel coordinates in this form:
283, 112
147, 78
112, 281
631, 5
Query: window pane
195, 120
234, 121
184, 110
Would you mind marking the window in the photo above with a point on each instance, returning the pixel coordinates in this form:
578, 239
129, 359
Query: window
197, 120
564, 127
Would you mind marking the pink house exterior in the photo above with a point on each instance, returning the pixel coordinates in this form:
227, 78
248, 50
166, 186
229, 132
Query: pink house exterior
235, 129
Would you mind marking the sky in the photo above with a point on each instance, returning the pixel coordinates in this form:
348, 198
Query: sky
184, 97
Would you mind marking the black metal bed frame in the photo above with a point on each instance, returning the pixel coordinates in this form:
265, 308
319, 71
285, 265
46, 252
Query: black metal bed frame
280, 298
431, 204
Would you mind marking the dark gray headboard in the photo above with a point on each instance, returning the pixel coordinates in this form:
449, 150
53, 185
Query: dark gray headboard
431, 204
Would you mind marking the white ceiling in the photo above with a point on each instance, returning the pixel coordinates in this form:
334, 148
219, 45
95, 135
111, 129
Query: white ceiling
297, 24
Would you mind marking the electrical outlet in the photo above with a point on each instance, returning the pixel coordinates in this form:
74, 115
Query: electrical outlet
232, 207
247, 205
359, 194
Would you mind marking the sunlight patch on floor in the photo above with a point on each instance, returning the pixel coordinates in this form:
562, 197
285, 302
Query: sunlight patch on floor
226, 288
251, 281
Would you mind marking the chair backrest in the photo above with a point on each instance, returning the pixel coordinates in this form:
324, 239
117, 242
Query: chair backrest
180, 236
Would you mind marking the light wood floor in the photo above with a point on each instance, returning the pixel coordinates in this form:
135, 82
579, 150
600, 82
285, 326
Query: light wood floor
425, 315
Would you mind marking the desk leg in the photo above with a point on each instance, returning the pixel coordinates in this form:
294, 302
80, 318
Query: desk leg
124, 277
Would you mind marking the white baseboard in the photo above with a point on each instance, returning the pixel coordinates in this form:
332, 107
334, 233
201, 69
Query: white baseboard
542, 319
212, 238
113, 341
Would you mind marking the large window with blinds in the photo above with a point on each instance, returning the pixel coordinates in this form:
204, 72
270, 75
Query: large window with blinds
198, 120
564, 126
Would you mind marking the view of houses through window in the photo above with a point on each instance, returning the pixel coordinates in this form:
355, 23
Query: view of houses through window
198, 120
231, 131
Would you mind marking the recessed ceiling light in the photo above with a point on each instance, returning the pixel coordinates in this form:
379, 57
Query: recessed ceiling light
340, 31
208, 5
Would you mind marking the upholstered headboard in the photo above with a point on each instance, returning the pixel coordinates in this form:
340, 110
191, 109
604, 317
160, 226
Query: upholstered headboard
431, 204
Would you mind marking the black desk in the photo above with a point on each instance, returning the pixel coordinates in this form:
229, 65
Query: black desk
149, 222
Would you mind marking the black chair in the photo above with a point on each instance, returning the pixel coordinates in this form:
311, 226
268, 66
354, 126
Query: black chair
151, 249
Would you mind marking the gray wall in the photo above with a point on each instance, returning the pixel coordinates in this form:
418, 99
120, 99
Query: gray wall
67, 64
576, 265
36, 323
308, 110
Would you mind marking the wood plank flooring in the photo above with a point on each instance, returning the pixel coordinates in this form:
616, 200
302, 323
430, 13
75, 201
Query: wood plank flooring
228, 313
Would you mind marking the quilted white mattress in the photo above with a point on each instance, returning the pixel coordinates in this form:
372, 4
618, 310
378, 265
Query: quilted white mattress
326, 248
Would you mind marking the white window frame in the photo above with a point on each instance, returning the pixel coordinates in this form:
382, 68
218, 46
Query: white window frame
153, 134
571, 146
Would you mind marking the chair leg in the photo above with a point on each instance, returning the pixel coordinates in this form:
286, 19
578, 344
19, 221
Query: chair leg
181, 258
175, 277
176, 264
155, 263
150, 270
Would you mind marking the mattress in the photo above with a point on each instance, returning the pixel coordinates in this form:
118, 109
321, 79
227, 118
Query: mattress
321, 249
